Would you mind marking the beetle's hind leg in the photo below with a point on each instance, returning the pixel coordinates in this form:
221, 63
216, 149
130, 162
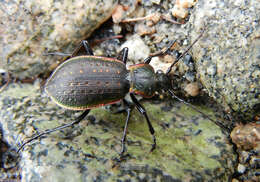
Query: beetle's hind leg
48, 131
82, 49
56, 54
128, 109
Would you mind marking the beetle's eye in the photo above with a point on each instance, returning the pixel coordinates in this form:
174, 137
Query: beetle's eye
159, 72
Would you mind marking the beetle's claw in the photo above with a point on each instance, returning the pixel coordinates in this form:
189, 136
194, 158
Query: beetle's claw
123, 149
154, 144
153, 147
122, 154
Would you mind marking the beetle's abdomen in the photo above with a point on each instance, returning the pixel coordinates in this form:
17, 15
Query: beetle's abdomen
88, 81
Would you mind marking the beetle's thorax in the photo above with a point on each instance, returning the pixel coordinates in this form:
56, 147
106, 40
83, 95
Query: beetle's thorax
144, 81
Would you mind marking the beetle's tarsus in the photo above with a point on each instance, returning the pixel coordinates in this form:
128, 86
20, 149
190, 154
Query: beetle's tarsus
123, 149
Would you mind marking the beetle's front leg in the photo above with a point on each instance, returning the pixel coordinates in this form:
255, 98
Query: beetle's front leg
160, 53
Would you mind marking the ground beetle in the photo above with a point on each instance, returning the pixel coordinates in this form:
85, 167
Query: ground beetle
86, 81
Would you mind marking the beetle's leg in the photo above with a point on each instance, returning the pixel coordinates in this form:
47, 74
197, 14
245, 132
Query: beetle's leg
142, 110
82, 49
123, 55
123, 140
48, 131
56, 54
160, 53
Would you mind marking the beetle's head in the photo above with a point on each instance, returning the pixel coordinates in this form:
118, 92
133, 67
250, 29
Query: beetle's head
162, 81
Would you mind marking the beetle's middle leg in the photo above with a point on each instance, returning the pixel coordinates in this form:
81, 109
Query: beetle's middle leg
142, 110
160, 53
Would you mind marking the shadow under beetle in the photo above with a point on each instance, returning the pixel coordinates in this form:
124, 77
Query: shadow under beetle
86, 81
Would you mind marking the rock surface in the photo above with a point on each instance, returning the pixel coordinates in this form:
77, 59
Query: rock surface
228, 55
189, 146
32, 28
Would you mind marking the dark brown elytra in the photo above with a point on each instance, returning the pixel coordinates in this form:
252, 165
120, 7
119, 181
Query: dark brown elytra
86, 81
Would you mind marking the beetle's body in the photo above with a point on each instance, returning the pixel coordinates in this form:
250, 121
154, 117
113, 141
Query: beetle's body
85, 82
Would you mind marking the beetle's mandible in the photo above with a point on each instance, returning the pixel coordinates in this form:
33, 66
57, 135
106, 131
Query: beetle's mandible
86, 81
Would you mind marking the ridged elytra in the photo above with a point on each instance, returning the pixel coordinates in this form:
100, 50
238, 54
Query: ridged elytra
86, 81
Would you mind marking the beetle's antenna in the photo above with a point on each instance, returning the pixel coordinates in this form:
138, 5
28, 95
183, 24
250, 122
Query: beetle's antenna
185, 52
203, 114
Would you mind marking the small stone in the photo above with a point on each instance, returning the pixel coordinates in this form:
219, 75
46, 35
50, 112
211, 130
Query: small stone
212, 70
137, 48
185, 3
179, 12
156, 18
235, 180
190, 76
117, 29
118, 14
192, 89
246, 136
241, 168
157, 64
141, 29
156, 1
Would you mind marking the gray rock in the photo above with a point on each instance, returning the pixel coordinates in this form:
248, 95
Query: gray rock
227, 57
32, 28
